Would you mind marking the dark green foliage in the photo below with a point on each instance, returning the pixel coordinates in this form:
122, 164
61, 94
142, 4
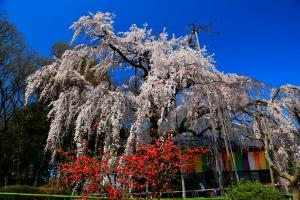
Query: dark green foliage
19, 192
254, 191
27, 163
31, 189
59, 48
23, 131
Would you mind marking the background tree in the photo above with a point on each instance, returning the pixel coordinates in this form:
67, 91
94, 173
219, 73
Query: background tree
17, 62
28, 131
58, 48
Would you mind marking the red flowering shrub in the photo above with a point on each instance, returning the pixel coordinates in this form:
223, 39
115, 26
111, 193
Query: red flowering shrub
87, 174
155, 165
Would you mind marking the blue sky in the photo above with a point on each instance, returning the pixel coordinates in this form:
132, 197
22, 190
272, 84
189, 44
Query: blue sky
260, 38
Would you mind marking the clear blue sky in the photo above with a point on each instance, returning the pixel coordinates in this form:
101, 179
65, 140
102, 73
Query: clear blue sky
260, 38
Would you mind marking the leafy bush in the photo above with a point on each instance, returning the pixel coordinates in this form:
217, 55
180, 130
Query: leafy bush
254, 191
19, 189
31, 189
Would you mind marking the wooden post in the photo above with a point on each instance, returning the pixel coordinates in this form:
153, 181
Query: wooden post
228, 145
218, 168
197, 39
272, 177
182, 185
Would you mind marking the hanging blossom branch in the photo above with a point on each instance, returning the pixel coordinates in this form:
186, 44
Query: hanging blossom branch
276, 122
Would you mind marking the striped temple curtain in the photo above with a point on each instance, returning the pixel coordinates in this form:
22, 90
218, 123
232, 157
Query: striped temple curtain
245, 161
251, 161
227, 162
263, 161
201, 162
238, 161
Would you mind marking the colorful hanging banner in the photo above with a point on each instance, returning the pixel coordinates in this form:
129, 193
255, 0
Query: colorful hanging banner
226, 160
257, 160
238, 161
204, 162
251, 161
245, 161
201, 162
198, 162
263, 161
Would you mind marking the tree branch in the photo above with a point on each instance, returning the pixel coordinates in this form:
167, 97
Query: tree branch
271, 163
131, 62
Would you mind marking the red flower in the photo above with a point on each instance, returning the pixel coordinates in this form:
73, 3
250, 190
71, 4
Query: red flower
158, 162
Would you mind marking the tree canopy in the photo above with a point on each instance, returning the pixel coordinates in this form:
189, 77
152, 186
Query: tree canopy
17, 62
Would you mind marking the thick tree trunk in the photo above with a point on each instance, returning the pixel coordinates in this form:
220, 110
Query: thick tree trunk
296, 192
284, 182
295, 181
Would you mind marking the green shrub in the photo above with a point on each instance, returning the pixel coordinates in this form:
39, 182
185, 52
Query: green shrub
254, 191
19, 189
32, 189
